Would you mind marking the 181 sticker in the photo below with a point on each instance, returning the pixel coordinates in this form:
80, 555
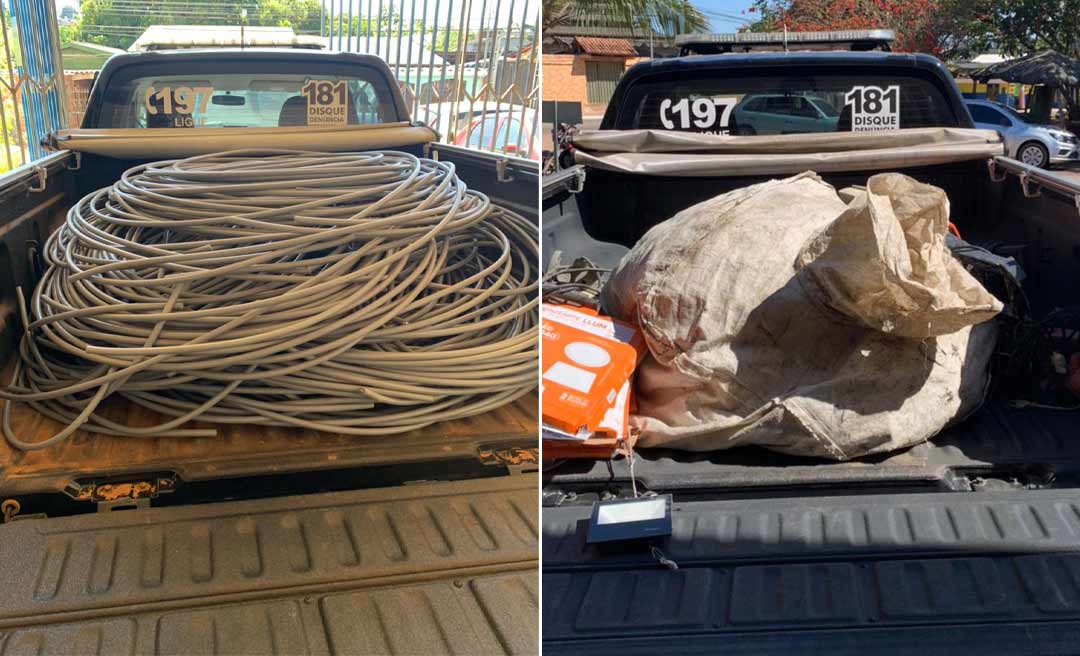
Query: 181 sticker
327, 102
874, 109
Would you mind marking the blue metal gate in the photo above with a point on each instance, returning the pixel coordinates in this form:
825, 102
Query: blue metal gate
32, 100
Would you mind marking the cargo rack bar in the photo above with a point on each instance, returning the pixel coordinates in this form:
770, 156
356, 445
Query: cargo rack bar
1034, 180
714, 44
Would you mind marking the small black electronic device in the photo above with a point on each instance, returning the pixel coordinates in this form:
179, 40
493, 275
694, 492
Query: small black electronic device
630, 519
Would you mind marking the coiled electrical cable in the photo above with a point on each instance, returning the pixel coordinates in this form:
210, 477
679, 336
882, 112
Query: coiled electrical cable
356, 293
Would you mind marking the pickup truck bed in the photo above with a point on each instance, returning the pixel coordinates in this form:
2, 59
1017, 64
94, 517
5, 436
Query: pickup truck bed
238, 450
432, 568
1032, 445
873, 574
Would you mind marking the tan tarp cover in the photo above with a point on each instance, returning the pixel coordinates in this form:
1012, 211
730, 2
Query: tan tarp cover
185, 142
660, 152
814, 323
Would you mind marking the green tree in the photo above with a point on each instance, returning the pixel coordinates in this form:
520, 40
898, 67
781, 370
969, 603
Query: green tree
664, 17
1019, 27
1015, 27
301, 15
920, 25
118, 23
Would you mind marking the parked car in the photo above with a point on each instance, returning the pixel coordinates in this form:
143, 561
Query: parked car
509, 131
1037, 145
783, 114
449, 118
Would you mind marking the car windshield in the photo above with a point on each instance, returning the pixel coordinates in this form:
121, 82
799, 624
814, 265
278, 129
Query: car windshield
826, 107
245, 94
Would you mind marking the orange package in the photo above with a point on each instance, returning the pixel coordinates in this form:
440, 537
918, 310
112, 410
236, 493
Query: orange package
587, 361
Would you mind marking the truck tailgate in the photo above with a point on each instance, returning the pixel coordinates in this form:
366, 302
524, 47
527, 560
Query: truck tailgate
425, 568
242, 450
937, 573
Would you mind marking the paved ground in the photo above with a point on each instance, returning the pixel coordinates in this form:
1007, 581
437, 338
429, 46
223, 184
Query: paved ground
1071, 170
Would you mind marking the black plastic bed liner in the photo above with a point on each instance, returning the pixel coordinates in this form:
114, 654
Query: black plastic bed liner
426, 568
987, 573
996, 441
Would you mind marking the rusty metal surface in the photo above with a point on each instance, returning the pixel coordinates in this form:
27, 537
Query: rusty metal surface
240, 450
512, 456
428, 568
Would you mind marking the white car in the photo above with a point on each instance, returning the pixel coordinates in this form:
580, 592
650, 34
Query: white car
1037, 145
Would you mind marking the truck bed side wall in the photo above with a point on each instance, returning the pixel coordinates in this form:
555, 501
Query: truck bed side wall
619, 208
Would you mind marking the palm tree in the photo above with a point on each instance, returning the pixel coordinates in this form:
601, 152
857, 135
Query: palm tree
662, 17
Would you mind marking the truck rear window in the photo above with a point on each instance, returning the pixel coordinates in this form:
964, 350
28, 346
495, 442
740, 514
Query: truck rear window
785, 102
155, 98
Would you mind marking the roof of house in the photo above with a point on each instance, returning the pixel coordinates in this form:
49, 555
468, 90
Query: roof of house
82, 56
595, 45
1046, 67
91, 48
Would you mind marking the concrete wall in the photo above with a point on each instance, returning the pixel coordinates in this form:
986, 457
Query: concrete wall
564, 79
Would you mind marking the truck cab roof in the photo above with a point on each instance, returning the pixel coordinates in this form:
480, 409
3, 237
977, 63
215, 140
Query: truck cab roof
202, 55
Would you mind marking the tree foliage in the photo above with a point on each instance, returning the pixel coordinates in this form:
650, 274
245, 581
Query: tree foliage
118, 23
920, 25
948, 28
1015, 27
664, 17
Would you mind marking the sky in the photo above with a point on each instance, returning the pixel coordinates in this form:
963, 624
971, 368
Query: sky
715, 10
481, 11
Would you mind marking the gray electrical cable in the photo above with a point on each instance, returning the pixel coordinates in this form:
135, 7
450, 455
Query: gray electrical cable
356, 293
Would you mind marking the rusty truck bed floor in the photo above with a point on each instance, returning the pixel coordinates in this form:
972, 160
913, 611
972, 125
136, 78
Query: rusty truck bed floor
240, 450
430, 568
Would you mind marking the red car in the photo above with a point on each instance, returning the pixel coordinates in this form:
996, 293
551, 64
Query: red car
503, 132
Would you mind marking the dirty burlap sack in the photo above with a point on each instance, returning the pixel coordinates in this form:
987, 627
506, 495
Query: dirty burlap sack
806, 321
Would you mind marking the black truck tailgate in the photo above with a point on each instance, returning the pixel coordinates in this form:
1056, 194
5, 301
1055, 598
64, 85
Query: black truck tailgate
898, 574
426, 568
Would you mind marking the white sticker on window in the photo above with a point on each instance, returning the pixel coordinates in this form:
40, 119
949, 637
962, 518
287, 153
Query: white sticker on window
708, 115
175, 105
327, 102
874, 109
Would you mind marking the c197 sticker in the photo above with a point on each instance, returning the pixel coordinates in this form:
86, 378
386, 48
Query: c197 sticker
709, 115
177, 103
874, 109
326, 102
